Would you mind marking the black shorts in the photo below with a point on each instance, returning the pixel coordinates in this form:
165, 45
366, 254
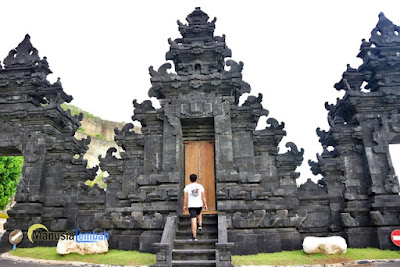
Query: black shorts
194, 212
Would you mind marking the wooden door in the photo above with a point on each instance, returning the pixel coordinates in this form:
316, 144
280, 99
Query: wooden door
199, 159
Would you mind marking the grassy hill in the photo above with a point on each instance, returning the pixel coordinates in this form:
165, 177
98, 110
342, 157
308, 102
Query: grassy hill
75, 111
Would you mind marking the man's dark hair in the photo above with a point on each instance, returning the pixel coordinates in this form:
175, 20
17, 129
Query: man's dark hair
193, 178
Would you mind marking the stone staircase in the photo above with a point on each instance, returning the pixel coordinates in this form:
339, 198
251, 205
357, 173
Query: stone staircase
195, 253
177, 248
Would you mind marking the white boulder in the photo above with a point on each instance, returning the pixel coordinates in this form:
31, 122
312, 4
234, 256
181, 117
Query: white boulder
327, 245
71, 246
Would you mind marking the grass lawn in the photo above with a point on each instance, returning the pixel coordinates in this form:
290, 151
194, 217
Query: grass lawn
119, 257
299, 257
113, 257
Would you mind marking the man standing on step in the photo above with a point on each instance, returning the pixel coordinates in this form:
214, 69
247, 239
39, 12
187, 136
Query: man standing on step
195, 199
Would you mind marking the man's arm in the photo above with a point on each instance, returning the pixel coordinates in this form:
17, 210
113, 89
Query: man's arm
185, 201
203, 197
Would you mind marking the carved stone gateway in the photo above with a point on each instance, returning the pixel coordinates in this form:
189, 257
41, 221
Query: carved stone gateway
51, 189
254, 185
359, 178
256, 196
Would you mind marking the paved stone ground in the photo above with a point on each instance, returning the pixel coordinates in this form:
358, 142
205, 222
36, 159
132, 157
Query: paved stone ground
12, 263
395, 264
2, 221
377, 264
7, 260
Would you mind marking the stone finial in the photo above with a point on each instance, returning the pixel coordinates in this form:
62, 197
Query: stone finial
198, 25
351, 80
235, 67
275, 124
198, 17
385, 33
142, 107
25, 55
293, 149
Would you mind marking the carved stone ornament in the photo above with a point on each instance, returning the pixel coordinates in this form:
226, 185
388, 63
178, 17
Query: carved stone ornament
385, 33
25, 55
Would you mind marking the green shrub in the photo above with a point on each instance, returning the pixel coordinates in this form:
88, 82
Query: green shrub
10, 171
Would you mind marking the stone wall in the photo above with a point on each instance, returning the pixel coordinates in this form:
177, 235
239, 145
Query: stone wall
94, 126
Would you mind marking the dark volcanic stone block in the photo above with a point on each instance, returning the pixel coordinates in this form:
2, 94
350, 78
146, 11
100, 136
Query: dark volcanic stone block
384, 237
147, 239
245, 243
269, 241
361, 237
290, 239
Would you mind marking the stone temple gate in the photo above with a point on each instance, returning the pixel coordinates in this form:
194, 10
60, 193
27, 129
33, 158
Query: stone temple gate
201, 128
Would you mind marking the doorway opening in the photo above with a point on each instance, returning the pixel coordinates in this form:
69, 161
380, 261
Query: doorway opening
198, 138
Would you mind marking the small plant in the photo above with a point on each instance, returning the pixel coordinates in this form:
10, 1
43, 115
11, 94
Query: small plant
98, 180
81, 129
99, 136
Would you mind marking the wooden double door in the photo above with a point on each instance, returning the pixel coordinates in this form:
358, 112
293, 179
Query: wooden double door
199, 159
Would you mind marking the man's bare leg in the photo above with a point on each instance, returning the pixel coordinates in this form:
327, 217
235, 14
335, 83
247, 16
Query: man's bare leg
200, 219
194, 226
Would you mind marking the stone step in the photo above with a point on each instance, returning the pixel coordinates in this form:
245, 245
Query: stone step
193, 263
187, 230
206, 218
193, 254
206, 234
206, 229
194, 251
199, 244
204, 223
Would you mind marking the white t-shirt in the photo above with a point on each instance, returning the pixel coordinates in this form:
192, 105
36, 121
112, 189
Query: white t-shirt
194, 195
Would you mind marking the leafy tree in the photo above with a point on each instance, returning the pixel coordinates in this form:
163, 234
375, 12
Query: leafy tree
10, 171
